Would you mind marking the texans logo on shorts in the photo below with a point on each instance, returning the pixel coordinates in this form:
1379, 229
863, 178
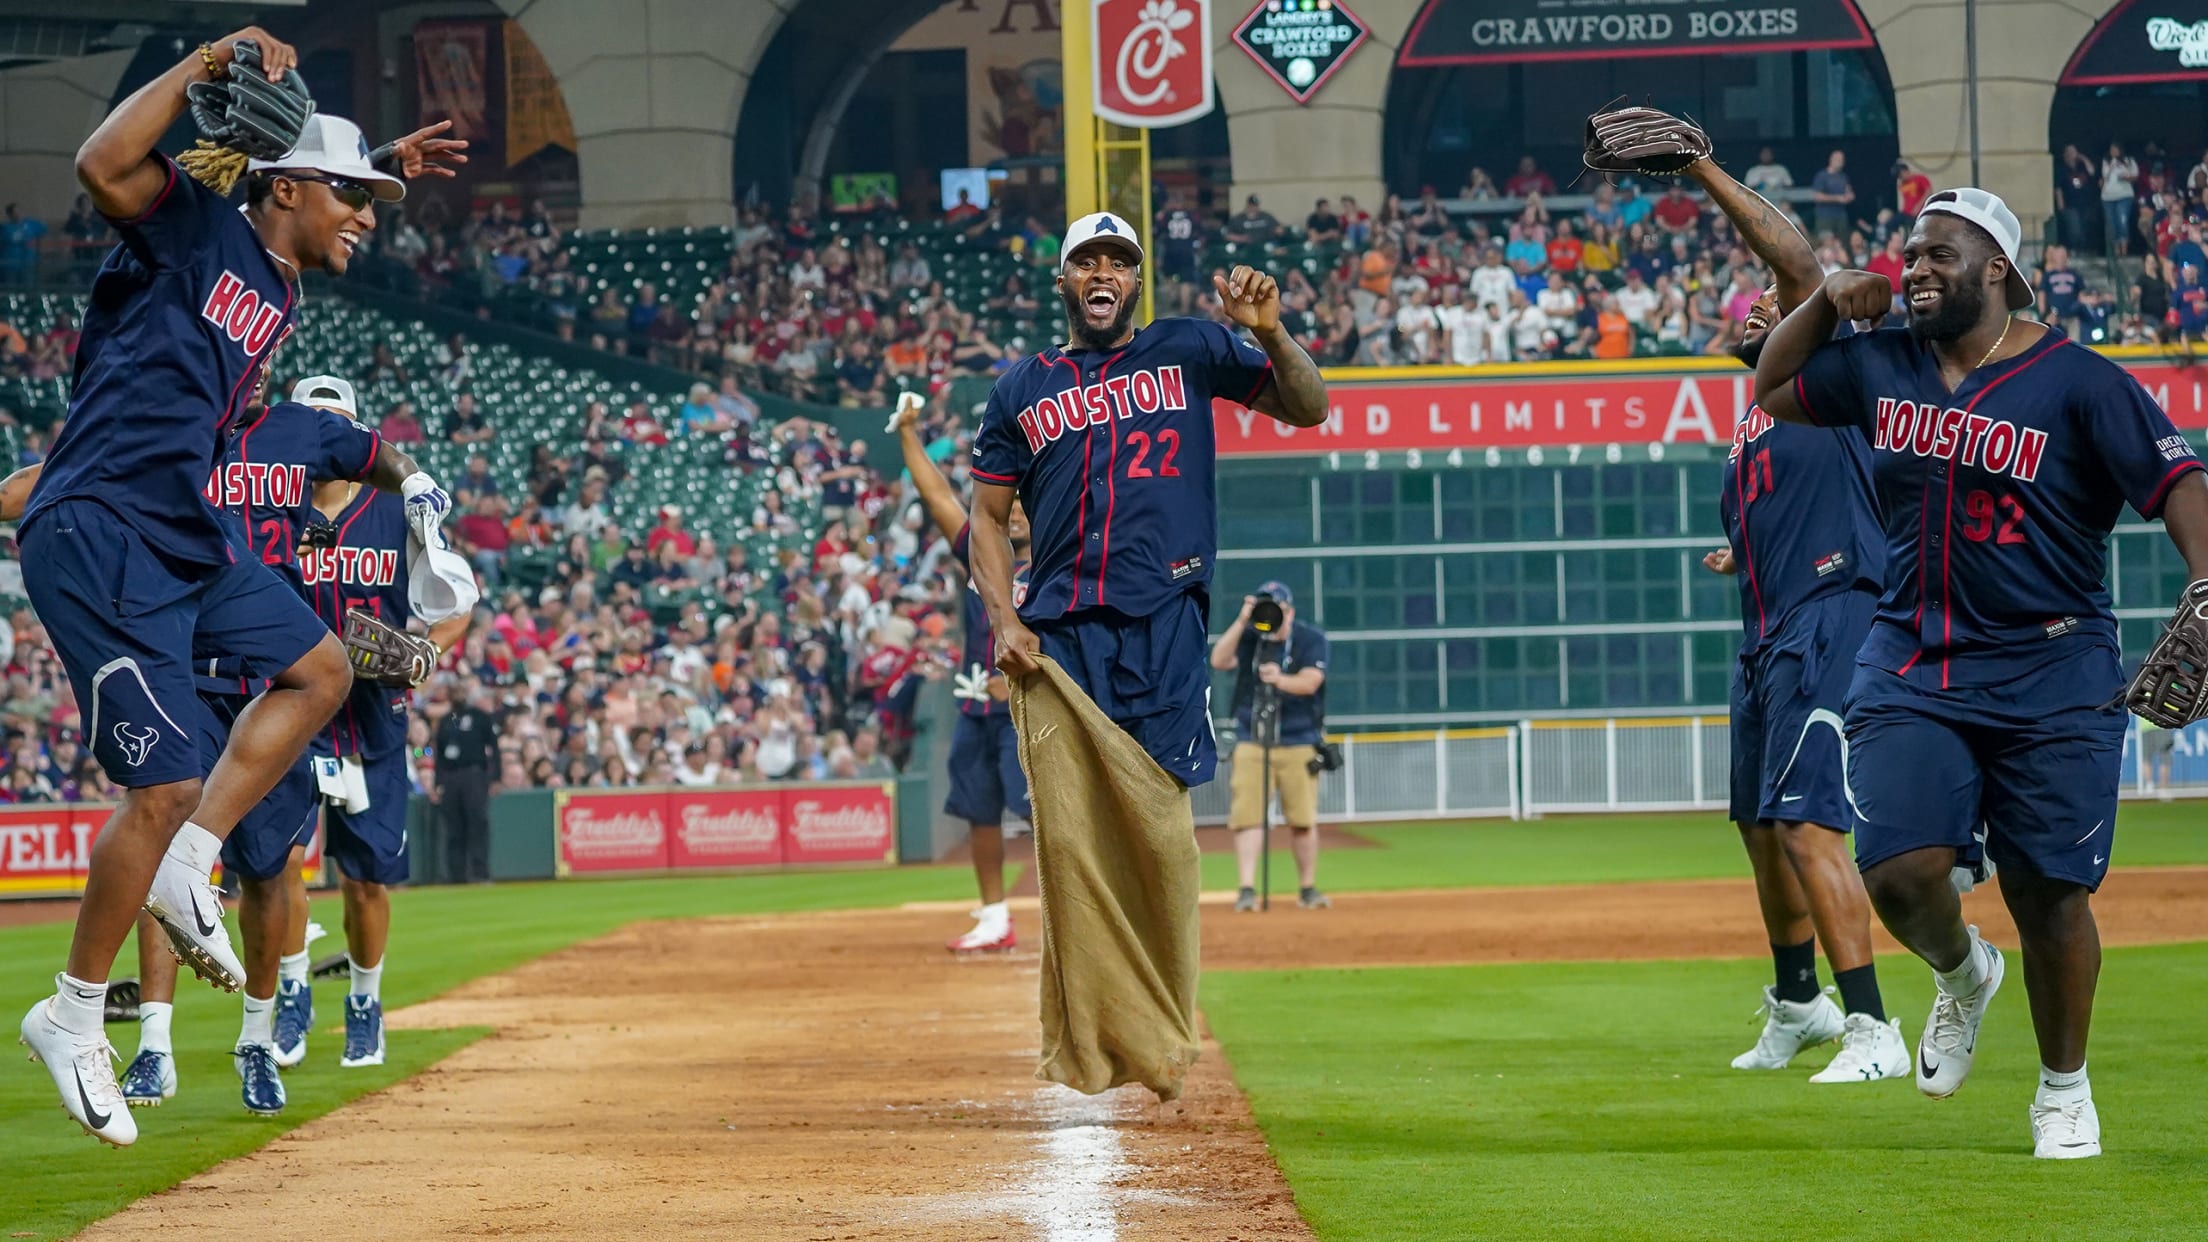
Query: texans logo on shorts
137, 743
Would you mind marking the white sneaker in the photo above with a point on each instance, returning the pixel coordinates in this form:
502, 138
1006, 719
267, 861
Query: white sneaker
83, 1070
2065, 1129
1789, 1027
1870, 1050
190, 910
1950, 1037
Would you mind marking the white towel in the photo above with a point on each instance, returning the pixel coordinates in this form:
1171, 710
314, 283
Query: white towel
439, 582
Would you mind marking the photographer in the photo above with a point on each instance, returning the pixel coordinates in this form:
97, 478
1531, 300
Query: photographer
1279, 689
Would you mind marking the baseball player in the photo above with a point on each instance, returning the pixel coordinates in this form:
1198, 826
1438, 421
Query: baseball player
263, 490
1108, 443
1986, 691
355, 565
985, 774
1802, 539
128, 565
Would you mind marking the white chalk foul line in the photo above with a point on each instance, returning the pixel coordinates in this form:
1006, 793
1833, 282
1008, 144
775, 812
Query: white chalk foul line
1071, 1193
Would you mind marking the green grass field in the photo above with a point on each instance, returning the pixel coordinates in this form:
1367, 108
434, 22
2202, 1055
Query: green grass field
1607, 1108
1593, 1100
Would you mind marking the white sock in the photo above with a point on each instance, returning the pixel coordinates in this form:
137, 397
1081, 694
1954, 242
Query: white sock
2065, 1082
1966, 978
196, 848
996, 914
368, 981
153, 1026
260, 1022
80, 1007
292, 967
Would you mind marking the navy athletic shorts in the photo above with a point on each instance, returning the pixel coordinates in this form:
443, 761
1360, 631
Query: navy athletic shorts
371, 846
127, 623
1151, 675
985, 770
1790, 757
2035, 762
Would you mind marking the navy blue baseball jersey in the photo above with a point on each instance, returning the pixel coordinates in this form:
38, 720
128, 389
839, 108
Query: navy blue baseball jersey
978, 643
1115, 458
268, 471
184, 317
1799, 513
366, 570
1998, 497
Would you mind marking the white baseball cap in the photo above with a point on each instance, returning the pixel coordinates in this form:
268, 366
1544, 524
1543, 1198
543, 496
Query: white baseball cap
1985, 209
326, 390
334, 145
1100, 226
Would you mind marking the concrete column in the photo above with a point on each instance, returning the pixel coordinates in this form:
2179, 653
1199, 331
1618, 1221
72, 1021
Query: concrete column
46, 112
2022, 47
655, 90
1289, 154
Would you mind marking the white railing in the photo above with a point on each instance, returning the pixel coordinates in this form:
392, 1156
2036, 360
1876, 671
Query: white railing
1668, 763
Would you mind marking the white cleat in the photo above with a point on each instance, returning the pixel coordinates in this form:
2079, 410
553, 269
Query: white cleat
2065, 1129
991, 934
83, 1070
1950, 1038
1789, 1027
190, 910
1870, 1050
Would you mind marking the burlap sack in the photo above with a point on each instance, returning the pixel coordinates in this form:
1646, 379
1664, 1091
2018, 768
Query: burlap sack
1115, 856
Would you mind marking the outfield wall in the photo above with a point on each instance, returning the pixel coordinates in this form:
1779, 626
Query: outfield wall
1488, 545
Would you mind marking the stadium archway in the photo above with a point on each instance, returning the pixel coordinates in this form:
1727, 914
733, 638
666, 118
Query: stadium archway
1480, 83
2139, 78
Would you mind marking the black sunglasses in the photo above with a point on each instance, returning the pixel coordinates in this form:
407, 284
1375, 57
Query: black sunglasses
351, 193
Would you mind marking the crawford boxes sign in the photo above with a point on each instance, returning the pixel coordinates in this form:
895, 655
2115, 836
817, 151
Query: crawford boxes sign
1554, 409
1300, 42
1474, 32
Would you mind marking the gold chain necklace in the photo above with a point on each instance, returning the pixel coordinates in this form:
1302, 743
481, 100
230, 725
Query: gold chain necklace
1997, 343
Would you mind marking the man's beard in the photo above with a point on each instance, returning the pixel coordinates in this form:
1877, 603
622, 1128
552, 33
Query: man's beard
1077, 322
1961, 306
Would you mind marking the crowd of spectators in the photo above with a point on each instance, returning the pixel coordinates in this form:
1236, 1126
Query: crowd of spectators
813, 668
812, 671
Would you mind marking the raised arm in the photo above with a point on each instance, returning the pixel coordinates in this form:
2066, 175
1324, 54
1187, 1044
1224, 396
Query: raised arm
936, 493
1843, 295
1295, 394
116, 165
1766, 230
1224, 651
989, 552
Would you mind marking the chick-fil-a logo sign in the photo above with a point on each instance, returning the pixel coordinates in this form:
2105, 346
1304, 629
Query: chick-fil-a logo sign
1151, 61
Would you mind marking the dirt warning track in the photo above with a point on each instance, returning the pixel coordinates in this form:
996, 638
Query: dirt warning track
840, 1076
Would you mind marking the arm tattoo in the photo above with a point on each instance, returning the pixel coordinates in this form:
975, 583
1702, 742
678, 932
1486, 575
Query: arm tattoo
1298, 395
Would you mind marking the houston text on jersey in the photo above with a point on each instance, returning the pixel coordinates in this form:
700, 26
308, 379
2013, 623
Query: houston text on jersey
1955, 434
1146, 392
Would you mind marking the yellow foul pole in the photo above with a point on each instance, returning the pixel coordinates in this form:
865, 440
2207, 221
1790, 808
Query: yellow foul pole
1107, 165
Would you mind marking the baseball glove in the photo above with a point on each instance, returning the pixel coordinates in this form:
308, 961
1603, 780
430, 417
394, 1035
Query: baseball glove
1643, 140
244, 116
2171, 689
383, 653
